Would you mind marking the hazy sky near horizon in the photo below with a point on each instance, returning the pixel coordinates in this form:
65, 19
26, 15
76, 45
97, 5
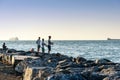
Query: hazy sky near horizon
62, 19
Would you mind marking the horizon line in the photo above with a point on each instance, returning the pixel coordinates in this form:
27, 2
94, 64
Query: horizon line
55, 39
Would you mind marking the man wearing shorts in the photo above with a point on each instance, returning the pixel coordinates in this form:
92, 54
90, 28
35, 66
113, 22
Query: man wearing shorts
49, 44
38, 42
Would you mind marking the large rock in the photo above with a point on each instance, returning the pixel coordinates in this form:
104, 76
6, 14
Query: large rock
109, 71
20, 67
102, 61
11, 51
37, 73
80, 60
71, 76
50, 60
47, 73
61, 67
112, 78
112, 73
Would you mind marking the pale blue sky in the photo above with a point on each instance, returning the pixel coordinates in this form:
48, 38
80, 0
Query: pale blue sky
63, 19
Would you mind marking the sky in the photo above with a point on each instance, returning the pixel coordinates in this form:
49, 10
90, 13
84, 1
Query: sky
62, 19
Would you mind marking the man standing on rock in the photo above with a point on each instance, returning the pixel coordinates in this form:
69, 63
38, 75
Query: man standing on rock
43, 44
49, 44
38, 42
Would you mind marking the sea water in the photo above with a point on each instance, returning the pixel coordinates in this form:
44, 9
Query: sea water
89, 49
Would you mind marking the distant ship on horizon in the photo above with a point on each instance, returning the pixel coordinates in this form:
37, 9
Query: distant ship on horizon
112, 39
14, 39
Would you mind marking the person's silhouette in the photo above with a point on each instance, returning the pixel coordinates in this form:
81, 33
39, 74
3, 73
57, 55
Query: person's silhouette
49, 44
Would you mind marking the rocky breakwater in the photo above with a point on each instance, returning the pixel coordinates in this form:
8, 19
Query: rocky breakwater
12, 56
61, 67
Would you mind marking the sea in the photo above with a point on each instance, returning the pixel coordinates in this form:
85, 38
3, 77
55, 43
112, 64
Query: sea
89, 49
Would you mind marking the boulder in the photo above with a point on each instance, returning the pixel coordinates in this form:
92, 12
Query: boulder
111, 73
71, 76
37, 73
11, 51
20, 67
96, 76
112, 78
108, 71
61, 67
102, 61
80, 60
44, 60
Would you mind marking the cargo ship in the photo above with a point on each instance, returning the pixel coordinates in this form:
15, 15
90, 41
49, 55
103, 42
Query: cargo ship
112, 39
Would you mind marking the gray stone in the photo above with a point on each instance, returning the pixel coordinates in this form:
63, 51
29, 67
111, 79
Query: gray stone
109, 71
80, 60
112, 78
37, 73
100, 61
11, 51
59, 76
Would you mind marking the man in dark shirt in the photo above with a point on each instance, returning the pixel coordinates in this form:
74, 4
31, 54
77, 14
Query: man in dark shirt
49, 44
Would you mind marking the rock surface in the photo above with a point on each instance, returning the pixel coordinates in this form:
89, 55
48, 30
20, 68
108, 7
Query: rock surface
7, 72
61, 67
